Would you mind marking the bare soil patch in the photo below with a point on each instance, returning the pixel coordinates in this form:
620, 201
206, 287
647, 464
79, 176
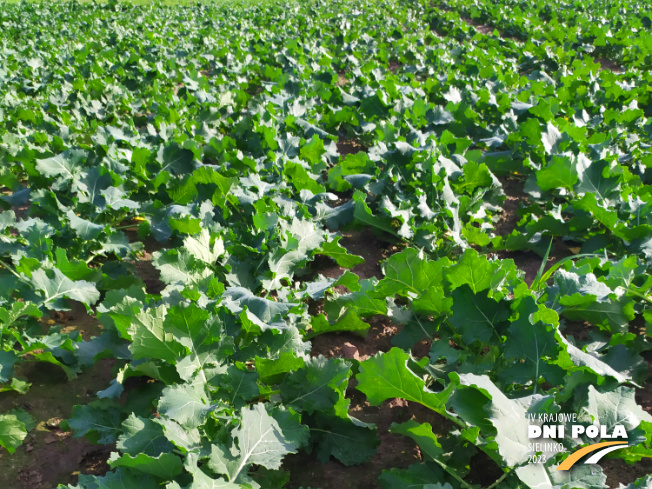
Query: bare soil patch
394, 66
348, 345
349, 146
488, 30
619, 472
480, 27
49, 455
77, 319
149, 274
514, 195
342, 80
607, 64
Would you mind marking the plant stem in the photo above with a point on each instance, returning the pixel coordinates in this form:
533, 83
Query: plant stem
637, 294
498, 481
453, 474
554, 268
12, 271
537, 280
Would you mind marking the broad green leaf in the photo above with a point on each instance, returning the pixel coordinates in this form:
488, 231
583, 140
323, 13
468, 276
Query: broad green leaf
530, 342
552, 139
559, 173
185, 403
184, 438
239, 386
18, 310
12, 431
317, 386
571, 357
349, 321
86, 230
582, 477
423, 436
616, 407
416, 476
269, 369
7, 361
361, 301
260, 441
264, 309
201, 480
409, 272
338, 253
119, 479
362, 213
312, 152
350, 442
67, 164
55, 286
200, 247
192, 327
505, 415
477, 317
150, 338
387, 375
98, 422
479, 273
301, 179
165, 466
142, 436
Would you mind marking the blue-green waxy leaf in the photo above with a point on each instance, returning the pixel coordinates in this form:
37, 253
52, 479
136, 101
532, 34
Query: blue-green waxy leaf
7, 361
264, 309
142, 435
67, 164
99, 422
174, 159
346, 439
617, 407
201, 248
185, 403
228, 143
260, 440
496, 415
86, 230
118, 479
55, 287
317, 386
552, 139
201, 480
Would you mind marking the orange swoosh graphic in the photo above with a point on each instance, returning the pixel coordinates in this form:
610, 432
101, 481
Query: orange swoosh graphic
570, 461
